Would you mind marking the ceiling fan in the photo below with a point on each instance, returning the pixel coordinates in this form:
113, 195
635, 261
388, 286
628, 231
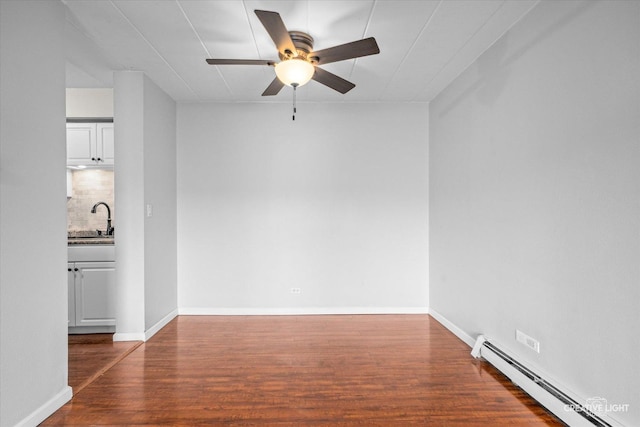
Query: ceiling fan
298, 61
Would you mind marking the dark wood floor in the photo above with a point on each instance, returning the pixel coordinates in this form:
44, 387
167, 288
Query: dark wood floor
92, 355
388, 370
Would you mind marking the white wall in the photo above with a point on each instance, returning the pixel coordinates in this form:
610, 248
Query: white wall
89, 102
160, 267
334, 203
33, 281
145, 173
128, 124
535, 197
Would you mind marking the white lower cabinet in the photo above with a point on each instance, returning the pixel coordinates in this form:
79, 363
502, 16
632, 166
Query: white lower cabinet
91, 294
71, 294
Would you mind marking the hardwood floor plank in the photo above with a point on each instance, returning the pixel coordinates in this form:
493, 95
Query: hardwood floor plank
92, 355
387, 370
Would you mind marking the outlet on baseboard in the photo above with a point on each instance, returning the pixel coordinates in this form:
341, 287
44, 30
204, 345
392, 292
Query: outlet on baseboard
296, 290
530, 342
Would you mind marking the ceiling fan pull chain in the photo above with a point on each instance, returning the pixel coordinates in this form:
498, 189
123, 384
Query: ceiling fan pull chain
295, 85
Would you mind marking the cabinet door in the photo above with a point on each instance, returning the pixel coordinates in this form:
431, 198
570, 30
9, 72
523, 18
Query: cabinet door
71, 295
105, 143
81, 143
69, 184
95, 294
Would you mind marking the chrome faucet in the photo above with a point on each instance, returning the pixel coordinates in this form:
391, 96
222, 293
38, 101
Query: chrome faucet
109, 227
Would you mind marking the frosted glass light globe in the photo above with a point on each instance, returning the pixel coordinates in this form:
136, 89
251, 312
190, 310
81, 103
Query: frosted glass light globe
294, 72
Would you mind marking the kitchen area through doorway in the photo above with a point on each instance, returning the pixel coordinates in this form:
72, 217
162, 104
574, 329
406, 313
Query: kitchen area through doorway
91, 232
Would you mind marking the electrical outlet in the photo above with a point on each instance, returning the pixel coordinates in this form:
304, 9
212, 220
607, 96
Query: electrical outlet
530, 342
295, 290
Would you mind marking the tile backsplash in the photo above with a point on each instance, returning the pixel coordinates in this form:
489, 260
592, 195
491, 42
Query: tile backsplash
90, 186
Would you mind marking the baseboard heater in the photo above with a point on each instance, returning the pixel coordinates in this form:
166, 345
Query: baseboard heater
555, 400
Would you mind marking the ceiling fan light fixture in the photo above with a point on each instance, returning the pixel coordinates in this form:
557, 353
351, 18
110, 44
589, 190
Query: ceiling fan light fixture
299, 61
294, 72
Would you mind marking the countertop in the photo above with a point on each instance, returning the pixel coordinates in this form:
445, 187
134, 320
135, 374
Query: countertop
86, 237
90, 240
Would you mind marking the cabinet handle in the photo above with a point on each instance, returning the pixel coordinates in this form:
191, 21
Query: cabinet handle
99, 159
68, 269
75, 269
93, 158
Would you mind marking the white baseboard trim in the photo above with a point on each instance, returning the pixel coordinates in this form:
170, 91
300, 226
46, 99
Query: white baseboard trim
44, 411
130, 336
91, 330
453, 328
221, 311
161, 324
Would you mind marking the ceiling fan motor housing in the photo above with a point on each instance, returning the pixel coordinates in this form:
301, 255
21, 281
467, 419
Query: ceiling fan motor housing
304, 45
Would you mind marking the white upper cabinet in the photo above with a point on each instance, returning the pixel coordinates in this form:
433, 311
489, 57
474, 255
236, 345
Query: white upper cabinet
81, 143
69, 184
104, 142
90, 144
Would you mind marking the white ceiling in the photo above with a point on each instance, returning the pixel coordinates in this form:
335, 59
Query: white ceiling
424, 44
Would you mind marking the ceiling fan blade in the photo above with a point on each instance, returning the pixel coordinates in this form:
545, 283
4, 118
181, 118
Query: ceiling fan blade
351, 50
239, 62
277, 30
331, 80
273, 88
